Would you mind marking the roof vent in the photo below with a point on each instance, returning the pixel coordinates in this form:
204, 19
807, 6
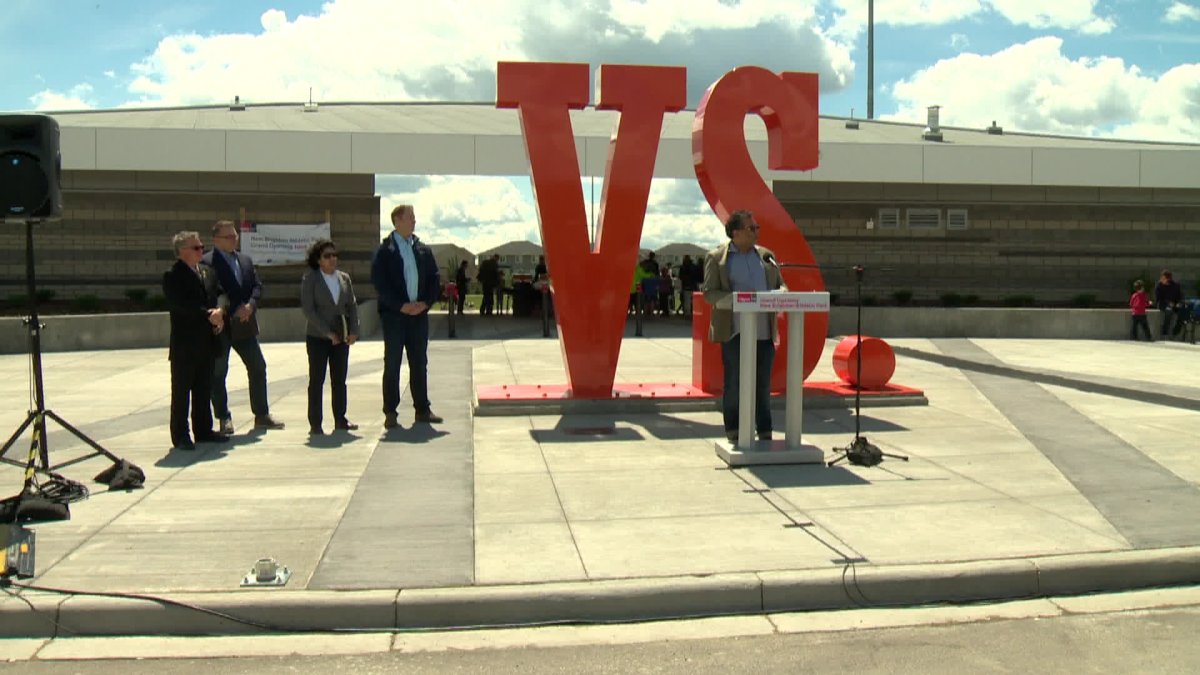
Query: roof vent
311, 106
852, 123
933, 130
995, 130
237, 104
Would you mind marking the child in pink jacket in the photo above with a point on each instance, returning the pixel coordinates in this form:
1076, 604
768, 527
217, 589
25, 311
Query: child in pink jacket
1138, 302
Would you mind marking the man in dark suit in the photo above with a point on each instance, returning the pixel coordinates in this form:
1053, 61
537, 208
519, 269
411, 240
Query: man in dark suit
191, 291
405, 275
240, 285
489, 279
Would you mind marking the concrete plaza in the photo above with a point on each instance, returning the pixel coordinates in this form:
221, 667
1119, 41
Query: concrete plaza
1032, 458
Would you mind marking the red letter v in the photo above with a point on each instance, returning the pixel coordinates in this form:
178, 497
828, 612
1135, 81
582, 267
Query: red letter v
591, 285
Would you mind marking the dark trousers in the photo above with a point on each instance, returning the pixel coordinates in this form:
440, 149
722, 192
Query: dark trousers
324, 355
731, 362
256, 372
1165, 326
191, 385
1139, 320
489, 297
462, 299
404, 334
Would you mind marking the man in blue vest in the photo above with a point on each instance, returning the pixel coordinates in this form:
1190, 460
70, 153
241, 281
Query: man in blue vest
405, 275
240, 285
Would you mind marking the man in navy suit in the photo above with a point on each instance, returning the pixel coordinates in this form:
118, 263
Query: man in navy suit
239, 283
405, 275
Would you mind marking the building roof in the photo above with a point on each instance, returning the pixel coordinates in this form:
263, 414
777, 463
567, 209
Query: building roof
479, 139
513, 248
682, 249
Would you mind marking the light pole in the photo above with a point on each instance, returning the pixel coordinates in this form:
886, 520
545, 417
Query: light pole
870, 59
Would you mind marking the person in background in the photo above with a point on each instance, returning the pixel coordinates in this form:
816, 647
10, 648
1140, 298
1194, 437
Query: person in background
740, 266
666, 290
405, 275
331, 310
460, 280
191, 292
539, 270
239, 283
1168, 298
489, 279
1138, 302
688, 284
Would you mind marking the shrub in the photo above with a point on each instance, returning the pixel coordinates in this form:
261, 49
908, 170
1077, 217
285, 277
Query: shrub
1084, 300
952, 299
86, 303
45, 294
17, 300
833, 298
902, 297
869, 301
1018, 300
137, 295
970, 299
157, 302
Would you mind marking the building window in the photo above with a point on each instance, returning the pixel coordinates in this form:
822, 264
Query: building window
956, 219
924, 219
889, 219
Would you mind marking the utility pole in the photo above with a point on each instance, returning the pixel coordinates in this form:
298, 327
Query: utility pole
870, 59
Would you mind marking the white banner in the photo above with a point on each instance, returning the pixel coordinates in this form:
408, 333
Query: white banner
270, 244
781, 301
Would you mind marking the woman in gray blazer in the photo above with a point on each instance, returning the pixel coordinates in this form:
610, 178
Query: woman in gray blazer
327, 298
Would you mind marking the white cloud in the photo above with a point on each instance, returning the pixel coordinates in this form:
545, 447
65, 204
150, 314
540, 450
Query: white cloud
359, 50
1181, 11
1077, 15
959, 41
1034, 87
75, 98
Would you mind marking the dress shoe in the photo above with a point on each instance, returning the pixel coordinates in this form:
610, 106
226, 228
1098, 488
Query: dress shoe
212, 437
345, 424
427, 418
764, 435
226, 426
184, 444
267, 422
316, 431
731, 435
390, 421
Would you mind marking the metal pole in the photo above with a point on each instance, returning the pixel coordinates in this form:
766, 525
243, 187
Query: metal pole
35, 346
794, 416
637, 311
747, 378
870, 59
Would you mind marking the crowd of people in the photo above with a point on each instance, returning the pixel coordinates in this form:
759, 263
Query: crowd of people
662, 290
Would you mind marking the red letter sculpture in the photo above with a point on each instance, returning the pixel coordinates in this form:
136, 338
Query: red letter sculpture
590, 282
730, 181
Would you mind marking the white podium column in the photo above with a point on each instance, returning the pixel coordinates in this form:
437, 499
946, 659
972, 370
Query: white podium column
794, 417
747, 378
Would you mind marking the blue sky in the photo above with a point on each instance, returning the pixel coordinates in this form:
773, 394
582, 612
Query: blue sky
1108, 68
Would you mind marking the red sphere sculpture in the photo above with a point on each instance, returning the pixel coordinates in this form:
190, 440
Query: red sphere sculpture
878, 362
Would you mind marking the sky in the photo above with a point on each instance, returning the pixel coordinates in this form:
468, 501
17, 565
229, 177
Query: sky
1101, 68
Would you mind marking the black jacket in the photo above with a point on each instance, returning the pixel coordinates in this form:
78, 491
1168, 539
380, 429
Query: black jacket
189, 297
387, 275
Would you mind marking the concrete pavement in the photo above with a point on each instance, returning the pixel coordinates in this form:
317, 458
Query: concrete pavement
1037, 467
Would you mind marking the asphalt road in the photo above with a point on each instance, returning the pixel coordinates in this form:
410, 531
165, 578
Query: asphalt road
1146, 641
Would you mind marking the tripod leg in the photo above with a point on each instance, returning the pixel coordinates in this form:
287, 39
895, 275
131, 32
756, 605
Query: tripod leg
838, 459
899, 457
17, 434
82, 436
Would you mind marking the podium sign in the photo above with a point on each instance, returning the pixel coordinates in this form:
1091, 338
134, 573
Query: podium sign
747, 450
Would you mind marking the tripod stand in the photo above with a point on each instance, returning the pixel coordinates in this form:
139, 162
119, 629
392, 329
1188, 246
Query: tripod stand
39, 452
860, 452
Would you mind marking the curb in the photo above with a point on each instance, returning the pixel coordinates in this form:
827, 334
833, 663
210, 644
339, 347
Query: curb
619, 600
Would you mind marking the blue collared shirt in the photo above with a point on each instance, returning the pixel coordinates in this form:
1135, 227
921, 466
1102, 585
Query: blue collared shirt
746, 273
411, 278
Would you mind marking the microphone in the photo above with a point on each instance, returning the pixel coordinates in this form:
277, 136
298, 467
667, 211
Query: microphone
769, 258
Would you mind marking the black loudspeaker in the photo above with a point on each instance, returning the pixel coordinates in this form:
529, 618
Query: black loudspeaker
30, 168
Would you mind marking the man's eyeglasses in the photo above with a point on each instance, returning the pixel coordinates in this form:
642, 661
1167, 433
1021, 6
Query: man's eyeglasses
225, 236
752, 228
329, 255
197, 247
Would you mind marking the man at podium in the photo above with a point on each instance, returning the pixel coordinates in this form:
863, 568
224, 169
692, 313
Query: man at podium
742, 265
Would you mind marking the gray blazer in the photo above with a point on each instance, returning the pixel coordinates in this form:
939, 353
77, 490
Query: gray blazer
718, 291
324, 316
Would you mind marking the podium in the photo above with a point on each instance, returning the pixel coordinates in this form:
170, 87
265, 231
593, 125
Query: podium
791, 450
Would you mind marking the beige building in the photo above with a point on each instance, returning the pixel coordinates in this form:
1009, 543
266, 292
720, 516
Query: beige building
970, 211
